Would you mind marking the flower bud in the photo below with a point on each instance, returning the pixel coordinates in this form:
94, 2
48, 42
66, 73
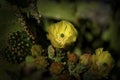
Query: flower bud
85, 59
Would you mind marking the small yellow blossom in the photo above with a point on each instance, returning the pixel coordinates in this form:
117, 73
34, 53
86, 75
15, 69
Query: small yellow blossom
61, 34
36, 49
102, 63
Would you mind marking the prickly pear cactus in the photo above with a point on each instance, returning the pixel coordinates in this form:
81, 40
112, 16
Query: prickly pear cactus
19, 47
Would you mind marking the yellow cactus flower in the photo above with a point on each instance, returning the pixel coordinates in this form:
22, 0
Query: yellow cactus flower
61, 34
102, 63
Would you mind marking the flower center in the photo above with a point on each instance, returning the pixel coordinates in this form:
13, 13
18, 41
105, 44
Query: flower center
62, 35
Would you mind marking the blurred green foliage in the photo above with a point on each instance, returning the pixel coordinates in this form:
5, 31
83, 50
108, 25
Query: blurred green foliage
8, 22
